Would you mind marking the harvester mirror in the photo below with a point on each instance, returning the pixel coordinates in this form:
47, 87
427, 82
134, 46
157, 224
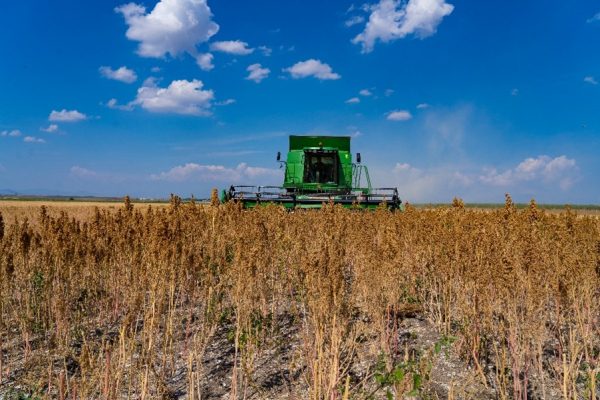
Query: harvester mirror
358, 157
278, 156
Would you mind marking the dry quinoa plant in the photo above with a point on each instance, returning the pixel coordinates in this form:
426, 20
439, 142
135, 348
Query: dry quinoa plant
202, 301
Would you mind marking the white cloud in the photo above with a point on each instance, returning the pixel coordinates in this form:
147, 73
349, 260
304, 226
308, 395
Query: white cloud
217, 173
80, 172
236, 47
357, 19
287, 48
395, 19
266, 51
33, 139
155, 69
402, 167
173, 26
86, 174
399, 115
418, 184
12, 133
66, 116
225, 102
591, 80
312, 67
114, 104
549, 170
422, 106
180, 97
257, 73
122, 74
130, 10
389, 92
354, 131
595, 18
51, 128
531, 177
352, 100
205, 61
365, 92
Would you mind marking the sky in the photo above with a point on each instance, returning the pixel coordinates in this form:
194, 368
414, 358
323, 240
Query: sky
473, 99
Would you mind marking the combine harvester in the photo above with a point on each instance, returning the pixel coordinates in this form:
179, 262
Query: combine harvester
318, 170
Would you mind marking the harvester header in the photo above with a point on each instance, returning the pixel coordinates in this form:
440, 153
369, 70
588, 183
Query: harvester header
318, 170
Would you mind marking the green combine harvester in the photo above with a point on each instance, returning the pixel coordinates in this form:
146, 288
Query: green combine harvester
318, 170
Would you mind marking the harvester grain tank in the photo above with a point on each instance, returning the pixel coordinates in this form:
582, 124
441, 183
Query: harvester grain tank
318, 170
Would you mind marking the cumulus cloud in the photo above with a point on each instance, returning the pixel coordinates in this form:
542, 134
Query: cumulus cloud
172, 27
591, 80
205, 61
314, 68
533, 176
354, 131
395, 19
352, 100
215, 173
559, 169
122, 74
66, 116
399, 115
180, 97
114, 104
85, 174
236, 47
595, 18
50, 129
265, 50
257, 73
430, 184
225, 102
33, 139
12, 133
365, 92
355, 20
80, 172
422, 106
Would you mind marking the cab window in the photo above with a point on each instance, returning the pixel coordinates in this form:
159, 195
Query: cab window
320, 167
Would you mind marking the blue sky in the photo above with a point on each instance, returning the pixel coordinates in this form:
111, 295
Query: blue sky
442, 98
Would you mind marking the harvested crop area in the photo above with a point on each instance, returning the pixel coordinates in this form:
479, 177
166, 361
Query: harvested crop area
196, 301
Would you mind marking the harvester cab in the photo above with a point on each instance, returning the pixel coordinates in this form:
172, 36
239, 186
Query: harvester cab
318, 169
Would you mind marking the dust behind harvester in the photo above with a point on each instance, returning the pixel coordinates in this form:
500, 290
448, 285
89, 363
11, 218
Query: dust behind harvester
318, 170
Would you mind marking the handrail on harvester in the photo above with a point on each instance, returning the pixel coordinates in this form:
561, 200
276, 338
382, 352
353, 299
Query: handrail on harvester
357, 172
